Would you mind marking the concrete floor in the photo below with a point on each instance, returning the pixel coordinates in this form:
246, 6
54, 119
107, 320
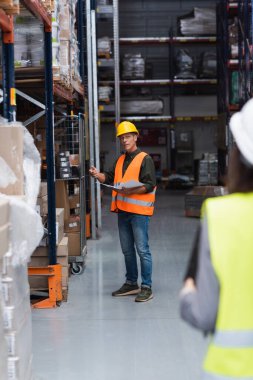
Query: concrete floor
97, 337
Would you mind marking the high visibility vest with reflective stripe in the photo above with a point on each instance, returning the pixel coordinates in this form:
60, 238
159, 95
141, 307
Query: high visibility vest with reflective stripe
230, 230
142, 204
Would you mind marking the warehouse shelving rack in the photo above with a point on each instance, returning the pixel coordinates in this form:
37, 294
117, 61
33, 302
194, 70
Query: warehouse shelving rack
43, 82
242, 64
171, 83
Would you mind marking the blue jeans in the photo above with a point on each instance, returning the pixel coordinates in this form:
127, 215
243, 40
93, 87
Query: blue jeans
133, 233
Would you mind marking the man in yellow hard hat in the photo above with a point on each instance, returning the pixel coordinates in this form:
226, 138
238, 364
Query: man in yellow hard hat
133, 201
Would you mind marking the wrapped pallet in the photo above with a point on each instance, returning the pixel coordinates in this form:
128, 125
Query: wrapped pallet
21, 232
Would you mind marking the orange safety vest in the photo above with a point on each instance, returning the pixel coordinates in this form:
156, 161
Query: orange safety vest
142, 204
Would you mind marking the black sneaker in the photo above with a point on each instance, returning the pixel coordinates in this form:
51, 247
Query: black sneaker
144, 295
126, 290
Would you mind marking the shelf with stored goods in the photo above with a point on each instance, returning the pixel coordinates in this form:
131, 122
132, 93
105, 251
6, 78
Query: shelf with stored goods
235, 69
149, 75
48, 80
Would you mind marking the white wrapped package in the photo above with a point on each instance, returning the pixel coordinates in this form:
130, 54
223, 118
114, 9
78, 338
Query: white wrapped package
26, 230
31, 166
24, 153
7, 176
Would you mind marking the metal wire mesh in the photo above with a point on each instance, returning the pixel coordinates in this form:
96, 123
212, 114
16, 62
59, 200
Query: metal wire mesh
67, 147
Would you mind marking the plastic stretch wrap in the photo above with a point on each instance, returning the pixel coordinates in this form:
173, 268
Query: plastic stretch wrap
202, 21
185, 65
26, 230
15, 287
29, 38
233, 37
7, 176
31, 166
104, 46
208, 65
3, 346
14, 316
104, 93
133, 66
142, 107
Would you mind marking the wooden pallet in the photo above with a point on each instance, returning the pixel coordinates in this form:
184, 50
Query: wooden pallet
104, 55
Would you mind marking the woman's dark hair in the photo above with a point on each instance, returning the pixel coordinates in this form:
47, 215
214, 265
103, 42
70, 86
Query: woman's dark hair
240, 173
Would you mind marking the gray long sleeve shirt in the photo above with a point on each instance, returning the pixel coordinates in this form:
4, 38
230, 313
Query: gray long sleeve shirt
199, 308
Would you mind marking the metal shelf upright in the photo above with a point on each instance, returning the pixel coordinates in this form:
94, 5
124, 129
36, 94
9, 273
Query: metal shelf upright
8, 76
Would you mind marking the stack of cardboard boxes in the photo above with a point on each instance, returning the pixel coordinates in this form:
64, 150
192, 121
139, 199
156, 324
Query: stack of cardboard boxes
40, 256
71, 205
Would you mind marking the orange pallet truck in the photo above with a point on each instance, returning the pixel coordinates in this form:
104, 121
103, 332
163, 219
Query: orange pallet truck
54, 275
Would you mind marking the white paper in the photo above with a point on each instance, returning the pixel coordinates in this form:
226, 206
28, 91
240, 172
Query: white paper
127, 185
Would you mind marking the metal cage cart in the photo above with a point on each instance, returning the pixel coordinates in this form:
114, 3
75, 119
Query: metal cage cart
69, 134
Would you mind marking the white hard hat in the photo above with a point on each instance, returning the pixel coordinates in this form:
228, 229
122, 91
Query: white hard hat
241, 125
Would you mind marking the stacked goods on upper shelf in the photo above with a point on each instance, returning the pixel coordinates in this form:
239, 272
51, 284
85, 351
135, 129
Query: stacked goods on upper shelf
10, 6
133, 66
104, 93
233, 37
29, 39
104, 47
201, 21
65, 44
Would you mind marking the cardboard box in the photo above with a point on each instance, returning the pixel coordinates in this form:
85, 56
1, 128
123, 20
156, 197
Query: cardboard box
43, 189
60, 216
62, 199
74, 201
42, 205
74, 243
74, 160
4, 212
73, 224
62, 249
4, 241
11, 151
59, 233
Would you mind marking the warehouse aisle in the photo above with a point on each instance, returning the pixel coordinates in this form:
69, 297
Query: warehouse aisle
97, 337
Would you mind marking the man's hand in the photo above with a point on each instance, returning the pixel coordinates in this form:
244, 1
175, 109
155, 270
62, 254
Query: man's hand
189, 286
95, 174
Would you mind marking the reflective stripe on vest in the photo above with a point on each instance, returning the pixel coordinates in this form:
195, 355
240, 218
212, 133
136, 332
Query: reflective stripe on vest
211, 376
230, 353
142, 204
234, 339
122, 198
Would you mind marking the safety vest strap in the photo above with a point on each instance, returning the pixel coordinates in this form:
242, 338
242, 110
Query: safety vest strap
234, 339
211, 376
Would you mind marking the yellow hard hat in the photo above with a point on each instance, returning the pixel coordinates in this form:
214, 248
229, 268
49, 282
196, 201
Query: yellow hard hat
126, 127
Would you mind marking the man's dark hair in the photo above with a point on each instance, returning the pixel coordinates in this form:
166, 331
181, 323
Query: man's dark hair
240, 173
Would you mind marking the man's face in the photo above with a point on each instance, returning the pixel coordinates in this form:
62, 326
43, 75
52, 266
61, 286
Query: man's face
128, 141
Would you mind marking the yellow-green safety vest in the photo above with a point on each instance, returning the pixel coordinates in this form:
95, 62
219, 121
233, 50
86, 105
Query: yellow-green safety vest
230, 231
